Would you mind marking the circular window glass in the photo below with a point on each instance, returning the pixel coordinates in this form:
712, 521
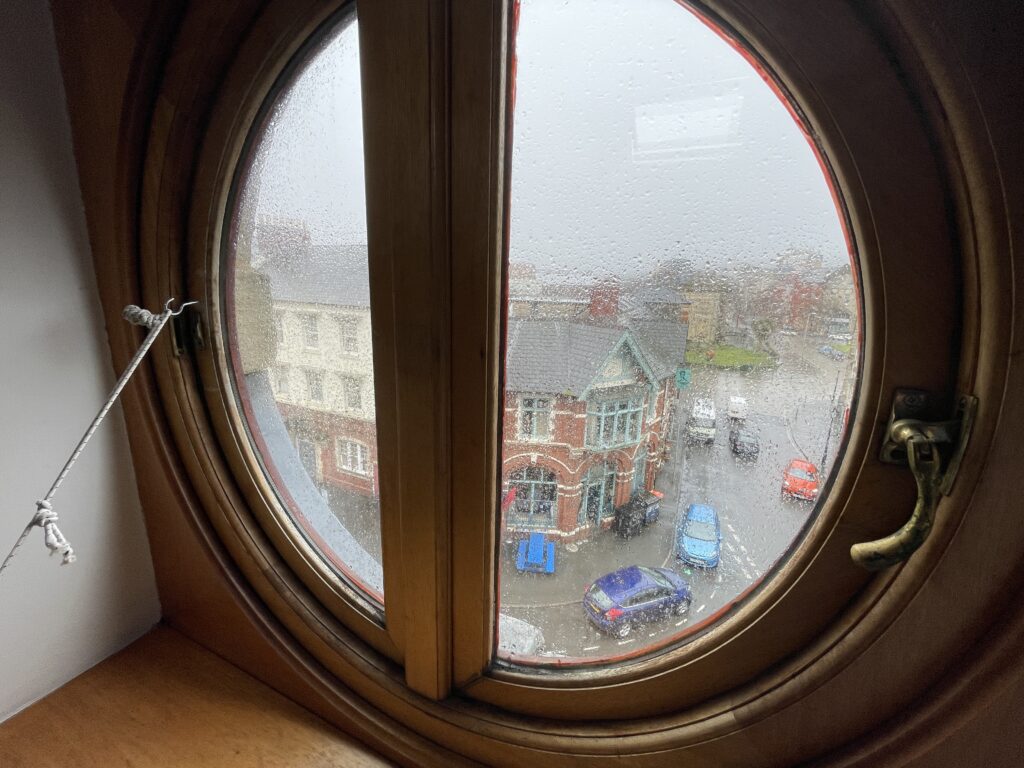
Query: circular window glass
683, 331
296, 292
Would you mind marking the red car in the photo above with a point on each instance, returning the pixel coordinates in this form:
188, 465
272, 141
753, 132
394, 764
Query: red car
800, 480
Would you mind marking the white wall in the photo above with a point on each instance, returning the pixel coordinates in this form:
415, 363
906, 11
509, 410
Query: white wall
55, 370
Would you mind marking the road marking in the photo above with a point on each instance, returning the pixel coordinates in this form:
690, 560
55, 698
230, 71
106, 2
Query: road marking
712, 593
678, 624
702, 608
730, 547
592, 648
729, 526
744, 549
719, 579
630, 640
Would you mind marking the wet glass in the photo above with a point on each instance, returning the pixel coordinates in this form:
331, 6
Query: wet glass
297, 304
678, 273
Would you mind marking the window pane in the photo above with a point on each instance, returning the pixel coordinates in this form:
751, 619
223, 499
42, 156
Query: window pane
297, 293
680, 280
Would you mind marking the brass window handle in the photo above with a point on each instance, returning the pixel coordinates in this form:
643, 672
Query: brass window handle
918, 443
925, 463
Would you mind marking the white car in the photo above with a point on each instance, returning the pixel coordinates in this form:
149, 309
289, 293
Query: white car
738, 409
701, 426
517, 637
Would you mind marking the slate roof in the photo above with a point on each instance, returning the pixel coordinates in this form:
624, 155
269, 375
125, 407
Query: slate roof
663, 343
319, 274
557, 356
564, 356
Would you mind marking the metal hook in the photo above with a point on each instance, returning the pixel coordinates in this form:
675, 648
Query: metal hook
167, 306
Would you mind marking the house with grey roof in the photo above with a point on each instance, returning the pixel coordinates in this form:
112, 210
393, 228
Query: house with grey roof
589, 403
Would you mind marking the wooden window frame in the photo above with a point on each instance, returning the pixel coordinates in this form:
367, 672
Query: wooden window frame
693, 694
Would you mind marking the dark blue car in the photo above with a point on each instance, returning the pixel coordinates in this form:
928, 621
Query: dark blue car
637, 594
699, 537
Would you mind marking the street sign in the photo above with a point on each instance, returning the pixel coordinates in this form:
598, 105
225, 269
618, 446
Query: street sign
683, 377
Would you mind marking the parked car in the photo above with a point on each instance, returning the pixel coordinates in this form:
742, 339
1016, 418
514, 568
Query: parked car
800, 480
637, 594
701, 426
517, 637
738, 410
699, 537
744, 442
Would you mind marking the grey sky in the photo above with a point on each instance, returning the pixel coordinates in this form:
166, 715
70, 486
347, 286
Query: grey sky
639, 136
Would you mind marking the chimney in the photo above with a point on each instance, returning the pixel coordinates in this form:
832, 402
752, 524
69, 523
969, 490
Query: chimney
604, 301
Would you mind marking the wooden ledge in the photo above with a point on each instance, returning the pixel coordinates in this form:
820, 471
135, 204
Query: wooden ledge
165, 701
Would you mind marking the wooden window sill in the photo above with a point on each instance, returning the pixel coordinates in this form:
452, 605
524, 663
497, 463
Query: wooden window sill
166, 701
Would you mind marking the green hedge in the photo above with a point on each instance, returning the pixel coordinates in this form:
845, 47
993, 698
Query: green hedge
726, 356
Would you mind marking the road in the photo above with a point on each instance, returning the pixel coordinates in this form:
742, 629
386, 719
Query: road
791, 408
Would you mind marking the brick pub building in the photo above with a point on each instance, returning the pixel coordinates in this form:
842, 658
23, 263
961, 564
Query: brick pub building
589, 404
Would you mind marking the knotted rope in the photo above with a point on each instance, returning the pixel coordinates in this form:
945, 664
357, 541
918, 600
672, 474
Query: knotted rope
45, 517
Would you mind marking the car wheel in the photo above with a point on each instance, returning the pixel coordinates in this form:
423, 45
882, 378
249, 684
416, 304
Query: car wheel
682, 608
622, 631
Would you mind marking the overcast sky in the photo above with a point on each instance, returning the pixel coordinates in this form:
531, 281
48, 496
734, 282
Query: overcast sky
639, 136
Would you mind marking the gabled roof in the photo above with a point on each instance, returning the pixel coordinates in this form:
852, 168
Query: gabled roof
556, 356
663, 343
565, 356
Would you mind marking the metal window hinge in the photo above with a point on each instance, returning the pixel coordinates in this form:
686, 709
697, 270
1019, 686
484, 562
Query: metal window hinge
933, 451
187, 331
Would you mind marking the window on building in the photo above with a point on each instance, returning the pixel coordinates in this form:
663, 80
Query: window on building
282, 381
536, 496
309, 323
598, 494
279, 327
534, 418
612, 423
314, 385
352, 456
348, 335
352, 392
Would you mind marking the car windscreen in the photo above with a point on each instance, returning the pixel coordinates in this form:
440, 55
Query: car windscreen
698, 529
657, 578
597, 596
803, 474
702, 423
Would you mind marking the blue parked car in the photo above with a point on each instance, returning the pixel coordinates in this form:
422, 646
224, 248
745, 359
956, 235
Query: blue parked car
699, 537
637, 594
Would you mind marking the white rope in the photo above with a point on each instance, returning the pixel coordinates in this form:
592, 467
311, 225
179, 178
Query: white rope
45, 517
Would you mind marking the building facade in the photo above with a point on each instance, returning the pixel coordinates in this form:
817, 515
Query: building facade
588, 411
